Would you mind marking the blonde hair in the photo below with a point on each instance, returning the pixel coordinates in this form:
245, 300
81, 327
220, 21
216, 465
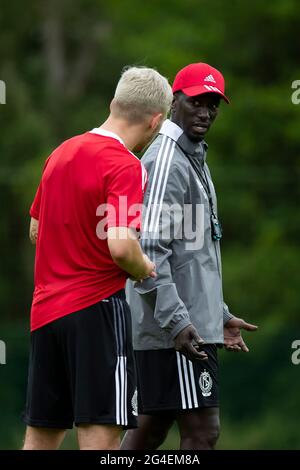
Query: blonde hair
141, 92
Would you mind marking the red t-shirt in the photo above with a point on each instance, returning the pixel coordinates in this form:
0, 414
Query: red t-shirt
86, 184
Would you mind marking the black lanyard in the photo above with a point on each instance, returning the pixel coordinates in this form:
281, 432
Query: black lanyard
204, 181
216, 229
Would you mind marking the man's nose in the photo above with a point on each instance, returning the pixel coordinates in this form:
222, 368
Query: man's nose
203, 113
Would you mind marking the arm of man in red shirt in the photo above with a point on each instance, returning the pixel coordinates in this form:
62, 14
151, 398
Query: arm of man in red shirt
33, 230
126, 252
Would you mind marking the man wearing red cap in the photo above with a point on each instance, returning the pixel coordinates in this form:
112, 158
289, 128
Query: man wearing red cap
179, 317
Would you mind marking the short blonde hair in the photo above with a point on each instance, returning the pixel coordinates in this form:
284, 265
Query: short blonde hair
141, 92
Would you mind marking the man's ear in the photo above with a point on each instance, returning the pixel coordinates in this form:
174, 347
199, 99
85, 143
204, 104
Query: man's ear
156, 121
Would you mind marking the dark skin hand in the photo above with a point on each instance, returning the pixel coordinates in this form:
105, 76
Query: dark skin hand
188, 342
233, 340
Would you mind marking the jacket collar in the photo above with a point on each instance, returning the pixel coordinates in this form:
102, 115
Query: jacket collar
172, 130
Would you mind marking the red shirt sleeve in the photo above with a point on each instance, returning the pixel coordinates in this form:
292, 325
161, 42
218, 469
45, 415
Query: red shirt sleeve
35, 206
125, 196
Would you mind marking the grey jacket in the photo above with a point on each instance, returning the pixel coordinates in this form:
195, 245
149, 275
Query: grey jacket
177, 237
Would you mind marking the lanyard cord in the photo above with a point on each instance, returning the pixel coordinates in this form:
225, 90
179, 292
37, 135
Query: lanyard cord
203, 178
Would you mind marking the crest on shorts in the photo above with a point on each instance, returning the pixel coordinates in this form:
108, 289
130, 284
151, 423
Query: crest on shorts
205, 383
134, 403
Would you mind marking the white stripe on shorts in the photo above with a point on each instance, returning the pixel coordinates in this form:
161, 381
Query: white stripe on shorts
186, 382
121, 366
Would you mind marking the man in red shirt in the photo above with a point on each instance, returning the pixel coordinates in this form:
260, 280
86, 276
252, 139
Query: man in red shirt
85, 218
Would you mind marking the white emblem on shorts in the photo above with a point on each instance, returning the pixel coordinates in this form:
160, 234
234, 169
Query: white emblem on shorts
205, 383
134, 403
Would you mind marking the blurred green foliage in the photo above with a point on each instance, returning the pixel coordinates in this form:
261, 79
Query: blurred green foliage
60, 61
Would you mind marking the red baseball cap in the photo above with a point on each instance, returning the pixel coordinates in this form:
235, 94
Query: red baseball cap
195, 79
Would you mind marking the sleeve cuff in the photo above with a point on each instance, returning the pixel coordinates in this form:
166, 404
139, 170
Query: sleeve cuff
34, 214
179, 327
226, 314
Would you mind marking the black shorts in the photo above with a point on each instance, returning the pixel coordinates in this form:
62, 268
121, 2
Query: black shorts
81, 369
168, 381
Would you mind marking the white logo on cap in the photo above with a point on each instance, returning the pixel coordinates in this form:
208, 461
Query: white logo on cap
212, 88
210, 78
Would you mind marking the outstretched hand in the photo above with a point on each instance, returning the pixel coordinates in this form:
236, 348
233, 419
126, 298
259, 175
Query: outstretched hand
233, 340
188, 342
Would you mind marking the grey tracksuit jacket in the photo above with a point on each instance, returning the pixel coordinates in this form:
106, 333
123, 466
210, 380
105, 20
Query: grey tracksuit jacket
177, 237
